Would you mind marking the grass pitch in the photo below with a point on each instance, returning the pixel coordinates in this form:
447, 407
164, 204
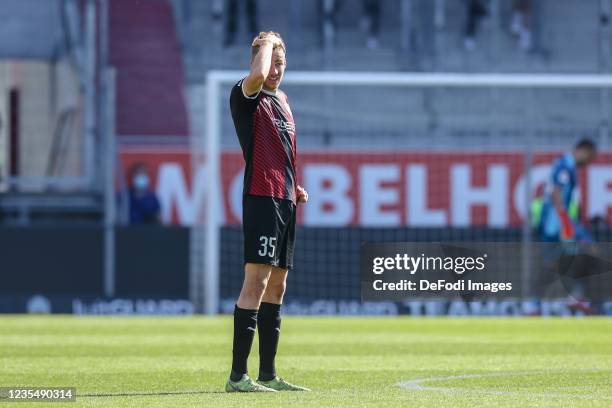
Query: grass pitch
184, 362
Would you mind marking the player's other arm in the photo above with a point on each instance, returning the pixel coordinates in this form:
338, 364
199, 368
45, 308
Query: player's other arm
302, 194
260, 65
567, 227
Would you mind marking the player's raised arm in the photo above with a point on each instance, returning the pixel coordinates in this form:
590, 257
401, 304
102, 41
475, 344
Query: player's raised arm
260, 63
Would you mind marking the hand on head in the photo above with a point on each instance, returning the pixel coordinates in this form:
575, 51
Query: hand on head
265, 38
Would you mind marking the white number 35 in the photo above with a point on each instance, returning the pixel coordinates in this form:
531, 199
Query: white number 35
268, 246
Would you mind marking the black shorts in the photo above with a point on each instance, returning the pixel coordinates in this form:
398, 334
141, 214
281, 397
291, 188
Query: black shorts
268, 225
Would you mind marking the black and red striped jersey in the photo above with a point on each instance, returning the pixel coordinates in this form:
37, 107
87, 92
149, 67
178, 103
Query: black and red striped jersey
266, 130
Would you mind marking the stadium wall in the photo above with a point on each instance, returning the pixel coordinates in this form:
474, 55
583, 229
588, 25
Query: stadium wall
60, 270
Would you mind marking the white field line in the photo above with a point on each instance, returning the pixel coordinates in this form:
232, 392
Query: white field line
418, 384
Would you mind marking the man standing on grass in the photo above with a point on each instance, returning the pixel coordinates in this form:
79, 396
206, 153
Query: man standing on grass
556, 224
264, 125
564, 235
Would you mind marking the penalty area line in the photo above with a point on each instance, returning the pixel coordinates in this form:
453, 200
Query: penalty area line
419, 384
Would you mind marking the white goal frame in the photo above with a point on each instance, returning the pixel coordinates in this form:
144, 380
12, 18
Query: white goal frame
215, 79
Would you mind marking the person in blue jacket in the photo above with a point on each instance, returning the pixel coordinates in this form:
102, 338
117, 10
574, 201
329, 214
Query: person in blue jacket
143, 203
557, 223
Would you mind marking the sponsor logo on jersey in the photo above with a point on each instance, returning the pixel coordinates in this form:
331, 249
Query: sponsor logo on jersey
282, 125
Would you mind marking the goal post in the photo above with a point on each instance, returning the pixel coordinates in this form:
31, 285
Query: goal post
215, 90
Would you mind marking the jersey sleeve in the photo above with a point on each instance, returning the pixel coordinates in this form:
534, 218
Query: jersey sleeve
242, 105
240, 96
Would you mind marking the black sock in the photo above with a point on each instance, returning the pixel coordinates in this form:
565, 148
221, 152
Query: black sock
268, 326
245, 323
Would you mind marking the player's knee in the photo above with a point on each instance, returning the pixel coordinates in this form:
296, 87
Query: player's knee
277, 289
256, 287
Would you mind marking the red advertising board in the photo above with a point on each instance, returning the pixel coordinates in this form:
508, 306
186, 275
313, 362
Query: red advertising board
414, 189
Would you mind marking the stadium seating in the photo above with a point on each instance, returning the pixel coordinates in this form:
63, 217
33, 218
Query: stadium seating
150, 79
440, 114
569, 47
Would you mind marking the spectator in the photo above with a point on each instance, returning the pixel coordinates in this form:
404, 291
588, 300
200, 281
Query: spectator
216, 10
371, 22
327, 11
476, 10
232, 20
520, 26
144, 206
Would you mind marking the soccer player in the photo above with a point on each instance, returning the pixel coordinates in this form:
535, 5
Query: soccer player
556, 226
266, 131
555, 223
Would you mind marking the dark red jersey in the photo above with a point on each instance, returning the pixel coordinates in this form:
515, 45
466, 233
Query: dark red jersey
264, 125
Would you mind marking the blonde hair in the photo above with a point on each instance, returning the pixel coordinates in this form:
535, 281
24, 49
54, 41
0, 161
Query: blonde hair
264, 34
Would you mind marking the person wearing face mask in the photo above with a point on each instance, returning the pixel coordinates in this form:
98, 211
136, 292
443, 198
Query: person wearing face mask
143, 203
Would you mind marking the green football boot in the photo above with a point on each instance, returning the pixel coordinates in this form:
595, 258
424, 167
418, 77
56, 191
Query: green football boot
246, 384
278, 384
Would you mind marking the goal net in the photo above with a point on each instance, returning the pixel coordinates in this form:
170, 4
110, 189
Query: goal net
399, 157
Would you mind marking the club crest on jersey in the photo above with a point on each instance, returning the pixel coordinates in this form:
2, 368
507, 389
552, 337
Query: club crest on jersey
564, 177
282, 125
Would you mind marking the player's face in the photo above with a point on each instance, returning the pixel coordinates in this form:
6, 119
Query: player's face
585, 156
277, 70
